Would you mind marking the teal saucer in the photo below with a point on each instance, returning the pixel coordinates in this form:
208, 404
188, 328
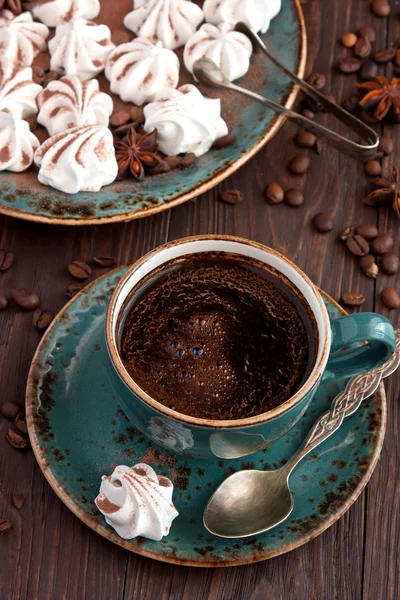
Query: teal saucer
79, 433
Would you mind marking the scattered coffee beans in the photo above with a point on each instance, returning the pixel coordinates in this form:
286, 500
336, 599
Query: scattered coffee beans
3, 302
384, 55
373, 168
350, 104
347, 233
104, 261
368, 266
74, 288
308, 114
317, 80
323, 222
349, 65
16, 440
225, 141
25, 299
305, 139
390, 298
10, 410
5, 525
390, 263
79, 270
353, 298
299, 164
382, 244
6, 260
367, 32
232, 196
380, 8
19, 501
386, 145
357, 245
368, 231
369, 70
319, 145
363, 48
188, 160
20, 423
294, 197
349, 40
42, 318
173, 161
137, 114
274, 193
119, 117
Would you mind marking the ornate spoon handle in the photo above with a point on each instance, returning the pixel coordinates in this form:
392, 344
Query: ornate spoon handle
346, 403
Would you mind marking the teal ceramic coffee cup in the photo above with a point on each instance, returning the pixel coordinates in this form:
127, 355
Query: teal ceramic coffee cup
339, 355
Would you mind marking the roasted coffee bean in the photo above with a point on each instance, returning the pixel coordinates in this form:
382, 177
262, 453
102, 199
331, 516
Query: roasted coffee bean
382, 244
6, 260
299, 164
50, 76
294, 197
317, 80
369, 70
319, 146
357, 245
363, 48
74, 288
225, 141
3, 302
274, 193
188, 160
323, 222
308, 114
232, 196
373, 168
380, 8
10, 410
5, 525
368, 231
25, 299
384, 55
367, 32
38, 74
119, 117
20, 423
390, 298
368, 266
42, 318
137, 114
386, 145
42, 60
173, 161
79, 270
161, 167
349, 40
390, 263
353, 298
305, 139
351, 103
104, 261
16, 439
347, 233
19, 501
349, 64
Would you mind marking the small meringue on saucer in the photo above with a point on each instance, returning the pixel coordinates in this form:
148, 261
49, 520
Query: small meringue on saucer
257, 14
17, 143
51, 12
21, 38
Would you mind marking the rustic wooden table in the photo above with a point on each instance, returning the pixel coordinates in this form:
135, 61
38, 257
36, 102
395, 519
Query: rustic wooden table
49, 553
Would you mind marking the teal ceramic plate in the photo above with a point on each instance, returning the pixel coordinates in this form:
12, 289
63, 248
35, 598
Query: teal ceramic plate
22, 196
79, 433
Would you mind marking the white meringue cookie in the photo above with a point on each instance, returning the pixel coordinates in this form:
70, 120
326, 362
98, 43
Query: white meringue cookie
255, 13
21, 39
51, 12
185, 120
137, 502
229, 49
18, 93
138, 69
17, 143
80, 48
171, 22
79, 159
70, 102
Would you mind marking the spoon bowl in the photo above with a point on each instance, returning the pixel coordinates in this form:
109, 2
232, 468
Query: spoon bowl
209, 73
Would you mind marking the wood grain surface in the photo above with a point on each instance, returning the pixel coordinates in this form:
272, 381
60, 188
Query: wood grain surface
49, 554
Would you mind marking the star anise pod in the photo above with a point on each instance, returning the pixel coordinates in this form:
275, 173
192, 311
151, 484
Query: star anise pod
387, 192
135, 153
15, 6
383, 97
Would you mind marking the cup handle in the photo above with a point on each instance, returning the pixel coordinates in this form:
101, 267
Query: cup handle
372, 328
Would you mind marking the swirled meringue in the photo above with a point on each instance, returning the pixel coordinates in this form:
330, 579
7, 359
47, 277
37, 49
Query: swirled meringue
79, 159
80, 48
255, 13
21, 39
18, 93
185, 120
229, 49
138, 69
17, 143
51, 12
171, 22
70, 102
137, 502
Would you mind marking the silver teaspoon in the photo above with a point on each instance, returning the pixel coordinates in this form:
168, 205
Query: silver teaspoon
251, 502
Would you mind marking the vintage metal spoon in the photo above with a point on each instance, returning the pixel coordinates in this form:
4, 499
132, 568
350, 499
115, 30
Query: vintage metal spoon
251, 502
209, 73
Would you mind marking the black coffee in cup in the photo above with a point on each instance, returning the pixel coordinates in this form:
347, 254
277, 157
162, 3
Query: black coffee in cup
216, 335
